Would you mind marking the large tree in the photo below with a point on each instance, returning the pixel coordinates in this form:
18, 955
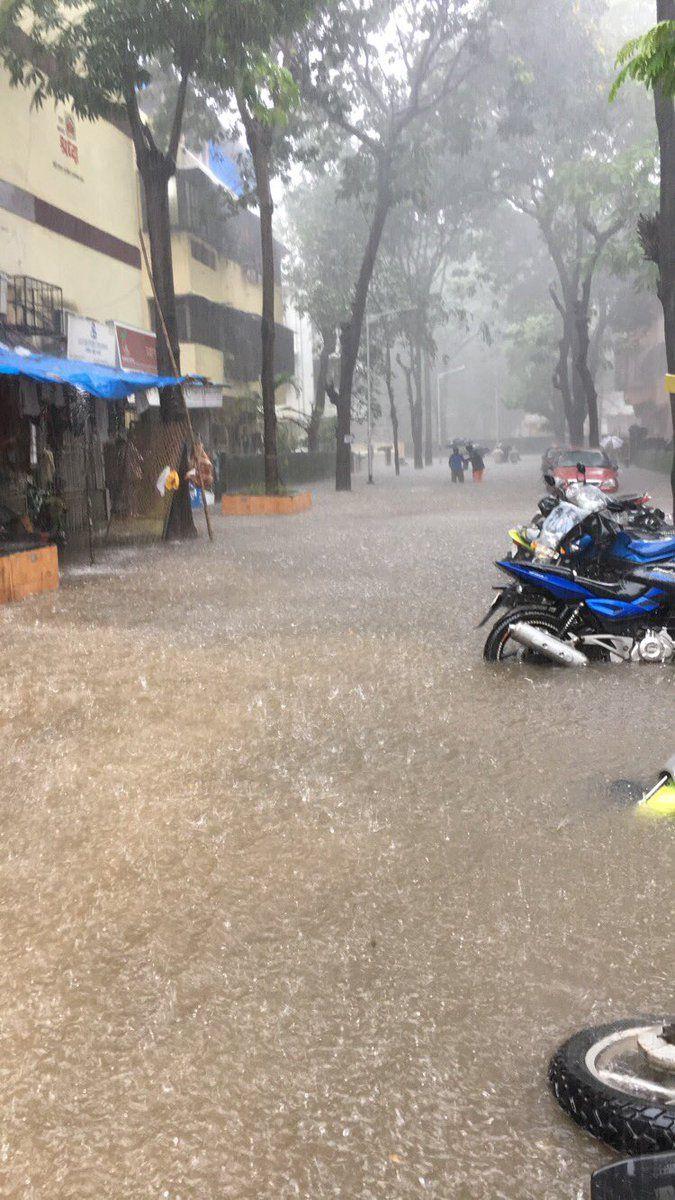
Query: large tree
576, 169
324, 232
380, 72
651, 60
266, 94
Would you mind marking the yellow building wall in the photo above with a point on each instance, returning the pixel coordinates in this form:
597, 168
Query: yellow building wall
196, 359
93, 284
226, 285
100, 188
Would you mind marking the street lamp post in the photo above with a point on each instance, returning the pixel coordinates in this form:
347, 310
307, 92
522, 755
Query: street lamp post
370, 317
442, 375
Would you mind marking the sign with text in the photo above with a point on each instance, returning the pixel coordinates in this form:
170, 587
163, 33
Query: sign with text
137, 349
67, 130
91, 341
207, 396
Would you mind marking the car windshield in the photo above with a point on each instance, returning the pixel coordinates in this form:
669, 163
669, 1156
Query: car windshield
589, 458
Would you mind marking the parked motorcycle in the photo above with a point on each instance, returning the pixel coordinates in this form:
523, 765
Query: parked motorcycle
633, 511
591, 591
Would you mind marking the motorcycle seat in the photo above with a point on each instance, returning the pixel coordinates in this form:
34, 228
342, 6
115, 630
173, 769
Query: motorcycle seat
619, 589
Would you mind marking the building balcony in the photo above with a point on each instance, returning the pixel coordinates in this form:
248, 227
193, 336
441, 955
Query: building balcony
236, 334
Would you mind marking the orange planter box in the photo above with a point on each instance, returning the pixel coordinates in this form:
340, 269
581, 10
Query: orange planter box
243, 505
28, 572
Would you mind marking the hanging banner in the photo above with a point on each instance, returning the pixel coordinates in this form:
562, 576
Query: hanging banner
137, 349
91, 341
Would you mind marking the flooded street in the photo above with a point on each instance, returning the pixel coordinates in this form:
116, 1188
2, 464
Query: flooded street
297, 894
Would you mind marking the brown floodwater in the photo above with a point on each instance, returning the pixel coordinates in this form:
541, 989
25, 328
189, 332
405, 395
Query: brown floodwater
297, 895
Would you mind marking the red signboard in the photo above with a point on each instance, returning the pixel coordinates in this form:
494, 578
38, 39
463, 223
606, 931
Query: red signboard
137, 349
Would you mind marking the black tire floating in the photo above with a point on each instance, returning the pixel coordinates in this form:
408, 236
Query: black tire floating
629, 1123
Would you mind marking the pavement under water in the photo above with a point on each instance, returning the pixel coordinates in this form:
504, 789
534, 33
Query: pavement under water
297, 895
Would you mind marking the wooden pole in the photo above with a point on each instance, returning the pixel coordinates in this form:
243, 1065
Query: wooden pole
180, 386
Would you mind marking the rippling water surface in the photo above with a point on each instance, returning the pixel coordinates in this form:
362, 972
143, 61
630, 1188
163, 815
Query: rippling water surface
297, 895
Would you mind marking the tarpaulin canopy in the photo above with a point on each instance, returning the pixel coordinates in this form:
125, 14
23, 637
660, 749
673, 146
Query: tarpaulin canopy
105, 382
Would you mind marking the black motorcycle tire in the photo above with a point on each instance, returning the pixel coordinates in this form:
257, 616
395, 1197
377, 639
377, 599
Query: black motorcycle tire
631, 1124
543, 618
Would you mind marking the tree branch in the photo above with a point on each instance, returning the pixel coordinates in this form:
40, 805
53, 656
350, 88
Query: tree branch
179, 110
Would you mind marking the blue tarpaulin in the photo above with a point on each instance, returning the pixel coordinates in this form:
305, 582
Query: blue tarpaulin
105, 382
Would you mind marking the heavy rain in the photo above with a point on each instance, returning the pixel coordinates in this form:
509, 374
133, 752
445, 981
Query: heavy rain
311, 314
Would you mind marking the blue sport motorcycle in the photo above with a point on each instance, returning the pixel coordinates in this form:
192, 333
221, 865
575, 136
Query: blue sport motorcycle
593, 591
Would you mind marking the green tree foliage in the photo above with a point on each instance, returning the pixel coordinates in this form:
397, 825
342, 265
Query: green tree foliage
650, 60
378, 74
580, 171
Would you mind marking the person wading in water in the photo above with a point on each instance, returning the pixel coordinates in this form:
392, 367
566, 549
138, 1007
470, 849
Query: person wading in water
456, 464
477, 464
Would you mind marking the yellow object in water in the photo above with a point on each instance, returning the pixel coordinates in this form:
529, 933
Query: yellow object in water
661, 803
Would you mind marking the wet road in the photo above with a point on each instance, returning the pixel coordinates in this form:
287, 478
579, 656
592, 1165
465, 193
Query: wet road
297, 895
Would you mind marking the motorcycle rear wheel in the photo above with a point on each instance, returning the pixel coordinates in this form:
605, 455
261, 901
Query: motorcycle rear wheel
501, 647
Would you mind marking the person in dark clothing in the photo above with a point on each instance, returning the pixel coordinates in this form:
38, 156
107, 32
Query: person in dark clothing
456, 464
477, 464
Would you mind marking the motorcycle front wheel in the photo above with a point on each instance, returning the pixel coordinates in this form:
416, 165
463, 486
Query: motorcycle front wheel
610, 1086
501, 647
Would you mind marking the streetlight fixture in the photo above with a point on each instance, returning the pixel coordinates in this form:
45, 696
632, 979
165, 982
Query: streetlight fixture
443, 375
370, 317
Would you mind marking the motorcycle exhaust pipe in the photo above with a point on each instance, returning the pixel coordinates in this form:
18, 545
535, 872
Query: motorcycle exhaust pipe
544, 643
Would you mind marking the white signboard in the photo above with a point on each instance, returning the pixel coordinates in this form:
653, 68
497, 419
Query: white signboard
91, 341
207, 396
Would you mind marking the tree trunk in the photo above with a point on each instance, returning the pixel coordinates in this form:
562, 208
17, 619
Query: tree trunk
409, 372
587, 386
428, 418
579, 409
561, 381
343, 433
155, 174
327, 348
259, 143
418, 453
388, 378
665, 120
180, 524
350, 337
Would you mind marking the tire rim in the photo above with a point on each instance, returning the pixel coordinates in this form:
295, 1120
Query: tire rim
617, 1061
